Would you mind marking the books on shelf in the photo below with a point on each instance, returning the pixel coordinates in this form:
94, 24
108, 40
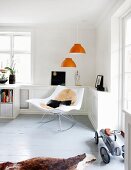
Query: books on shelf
6, 95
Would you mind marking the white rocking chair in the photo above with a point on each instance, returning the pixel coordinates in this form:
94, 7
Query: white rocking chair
62, 110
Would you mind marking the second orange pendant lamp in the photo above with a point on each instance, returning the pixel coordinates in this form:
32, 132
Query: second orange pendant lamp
77, 47
68, 62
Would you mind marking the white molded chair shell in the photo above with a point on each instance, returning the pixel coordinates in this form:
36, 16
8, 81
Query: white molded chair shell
62, 108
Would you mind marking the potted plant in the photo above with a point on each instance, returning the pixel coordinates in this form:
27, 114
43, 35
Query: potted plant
12, 74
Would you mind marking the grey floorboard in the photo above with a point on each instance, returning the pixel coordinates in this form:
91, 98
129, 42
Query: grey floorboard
24, 138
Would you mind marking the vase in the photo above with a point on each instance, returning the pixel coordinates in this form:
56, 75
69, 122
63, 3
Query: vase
11, 79
77, 78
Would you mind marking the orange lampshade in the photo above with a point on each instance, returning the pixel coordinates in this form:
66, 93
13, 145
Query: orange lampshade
77, 48
68, 62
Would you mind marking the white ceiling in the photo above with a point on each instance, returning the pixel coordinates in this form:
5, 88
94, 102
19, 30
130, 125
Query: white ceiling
49, 11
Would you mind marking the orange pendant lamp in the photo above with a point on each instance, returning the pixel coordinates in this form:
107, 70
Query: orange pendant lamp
77, 48
68, 62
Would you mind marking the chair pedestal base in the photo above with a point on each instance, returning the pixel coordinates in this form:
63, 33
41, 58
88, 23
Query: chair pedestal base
59, 116
68, 117
50, 119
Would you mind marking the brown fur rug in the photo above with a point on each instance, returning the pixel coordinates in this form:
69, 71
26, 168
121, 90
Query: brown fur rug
73, 163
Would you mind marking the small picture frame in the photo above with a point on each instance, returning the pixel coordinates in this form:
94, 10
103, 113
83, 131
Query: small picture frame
99, 81
58, 78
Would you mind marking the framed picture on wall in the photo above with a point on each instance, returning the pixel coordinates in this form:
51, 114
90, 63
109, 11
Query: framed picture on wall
99, 81
58, 78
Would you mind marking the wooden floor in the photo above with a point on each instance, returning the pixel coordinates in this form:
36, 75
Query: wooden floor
24, 137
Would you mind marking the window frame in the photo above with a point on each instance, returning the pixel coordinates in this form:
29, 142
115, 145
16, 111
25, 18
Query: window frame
123, 57
12, 34
122, 45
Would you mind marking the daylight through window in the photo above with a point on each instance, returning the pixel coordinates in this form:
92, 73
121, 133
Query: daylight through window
127, 66
16, 48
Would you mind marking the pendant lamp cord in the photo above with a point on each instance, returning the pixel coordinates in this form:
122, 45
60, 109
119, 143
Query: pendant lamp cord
76, 33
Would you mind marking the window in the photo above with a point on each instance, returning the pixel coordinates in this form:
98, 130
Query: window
16, 48
127, 66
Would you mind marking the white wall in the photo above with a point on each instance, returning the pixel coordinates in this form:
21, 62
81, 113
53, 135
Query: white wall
51, 46
103, 46
107, 64
108, 60
103, 51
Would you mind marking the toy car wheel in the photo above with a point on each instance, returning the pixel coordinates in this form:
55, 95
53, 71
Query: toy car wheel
96, 137
123, 148
123, 155
105, 155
